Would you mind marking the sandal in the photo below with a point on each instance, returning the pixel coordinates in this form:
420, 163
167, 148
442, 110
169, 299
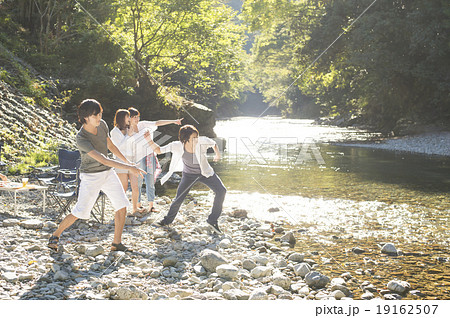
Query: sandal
140, 209
115, 247
53, 242
153, 210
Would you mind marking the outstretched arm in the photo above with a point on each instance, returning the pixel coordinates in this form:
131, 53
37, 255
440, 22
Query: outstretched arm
115, 164
155, 147
168, 122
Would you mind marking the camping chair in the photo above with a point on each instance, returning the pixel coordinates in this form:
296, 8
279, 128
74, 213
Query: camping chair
59, 178
65, 199
65, 192
69, 162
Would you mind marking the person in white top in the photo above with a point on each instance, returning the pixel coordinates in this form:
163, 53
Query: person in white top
120, 136
189, 156
143, 155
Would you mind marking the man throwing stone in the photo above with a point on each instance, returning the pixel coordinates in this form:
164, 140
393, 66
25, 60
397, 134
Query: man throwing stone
96, 174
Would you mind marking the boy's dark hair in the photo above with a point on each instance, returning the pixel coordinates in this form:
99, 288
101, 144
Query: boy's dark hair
119, 118
134, 112
185, 133
87, 108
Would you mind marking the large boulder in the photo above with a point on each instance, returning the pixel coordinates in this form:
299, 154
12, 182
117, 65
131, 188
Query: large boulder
211, 259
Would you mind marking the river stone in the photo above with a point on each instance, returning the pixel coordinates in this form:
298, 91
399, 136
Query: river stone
281, 280
228, 285
182, 293
50, 225
61, 275
281, 263
392, 297
289, 238
316, 280
94, 250
26, 276
225, 243
304, 291
199, 270
129, 292
337, 281
358, 250
10, 222
302, 269
277, 290
261, 260
80, 249
296, 257
389, 249
259, 294
10, 277
211, 259
235, 294
261, 271
239, 213
337, 294
32, 224
169, 261
341, 288
34, 248
227, 271
113, 283
367, 296
248, 264
398, 286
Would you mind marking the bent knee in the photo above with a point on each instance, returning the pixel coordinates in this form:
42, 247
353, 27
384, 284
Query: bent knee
221, 191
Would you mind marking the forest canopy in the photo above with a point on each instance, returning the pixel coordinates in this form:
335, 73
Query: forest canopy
382, 60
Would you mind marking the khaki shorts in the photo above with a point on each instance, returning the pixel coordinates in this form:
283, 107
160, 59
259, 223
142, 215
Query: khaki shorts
90, 186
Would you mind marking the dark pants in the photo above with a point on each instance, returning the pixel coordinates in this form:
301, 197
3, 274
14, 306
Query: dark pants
187, 182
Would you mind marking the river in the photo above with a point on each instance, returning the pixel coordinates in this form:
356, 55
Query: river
339, 197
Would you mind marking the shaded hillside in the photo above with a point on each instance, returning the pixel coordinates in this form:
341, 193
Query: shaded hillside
24, 126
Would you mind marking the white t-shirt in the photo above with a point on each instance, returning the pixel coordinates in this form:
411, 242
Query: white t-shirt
177, 150
137, 145
120, 140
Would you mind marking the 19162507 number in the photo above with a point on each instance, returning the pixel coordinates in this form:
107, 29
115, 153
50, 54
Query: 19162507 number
406, 309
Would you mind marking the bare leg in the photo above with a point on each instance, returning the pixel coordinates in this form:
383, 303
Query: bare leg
119, 222
123, 177
134, 192
68, 221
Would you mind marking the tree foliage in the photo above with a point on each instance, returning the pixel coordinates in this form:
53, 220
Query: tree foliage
391, 63
119, 48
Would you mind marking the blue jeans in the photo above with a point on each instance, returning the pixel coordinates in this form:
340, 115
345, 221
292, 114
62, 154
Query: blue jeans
187, 182
149, 179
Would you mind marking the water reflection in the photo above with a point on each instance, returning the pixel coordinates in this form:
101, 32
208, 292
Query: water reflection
346, 172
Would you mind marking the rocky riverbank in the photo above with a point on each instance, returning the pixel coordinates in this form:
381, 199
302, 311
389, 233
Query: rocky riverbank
252, 260
435, 143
